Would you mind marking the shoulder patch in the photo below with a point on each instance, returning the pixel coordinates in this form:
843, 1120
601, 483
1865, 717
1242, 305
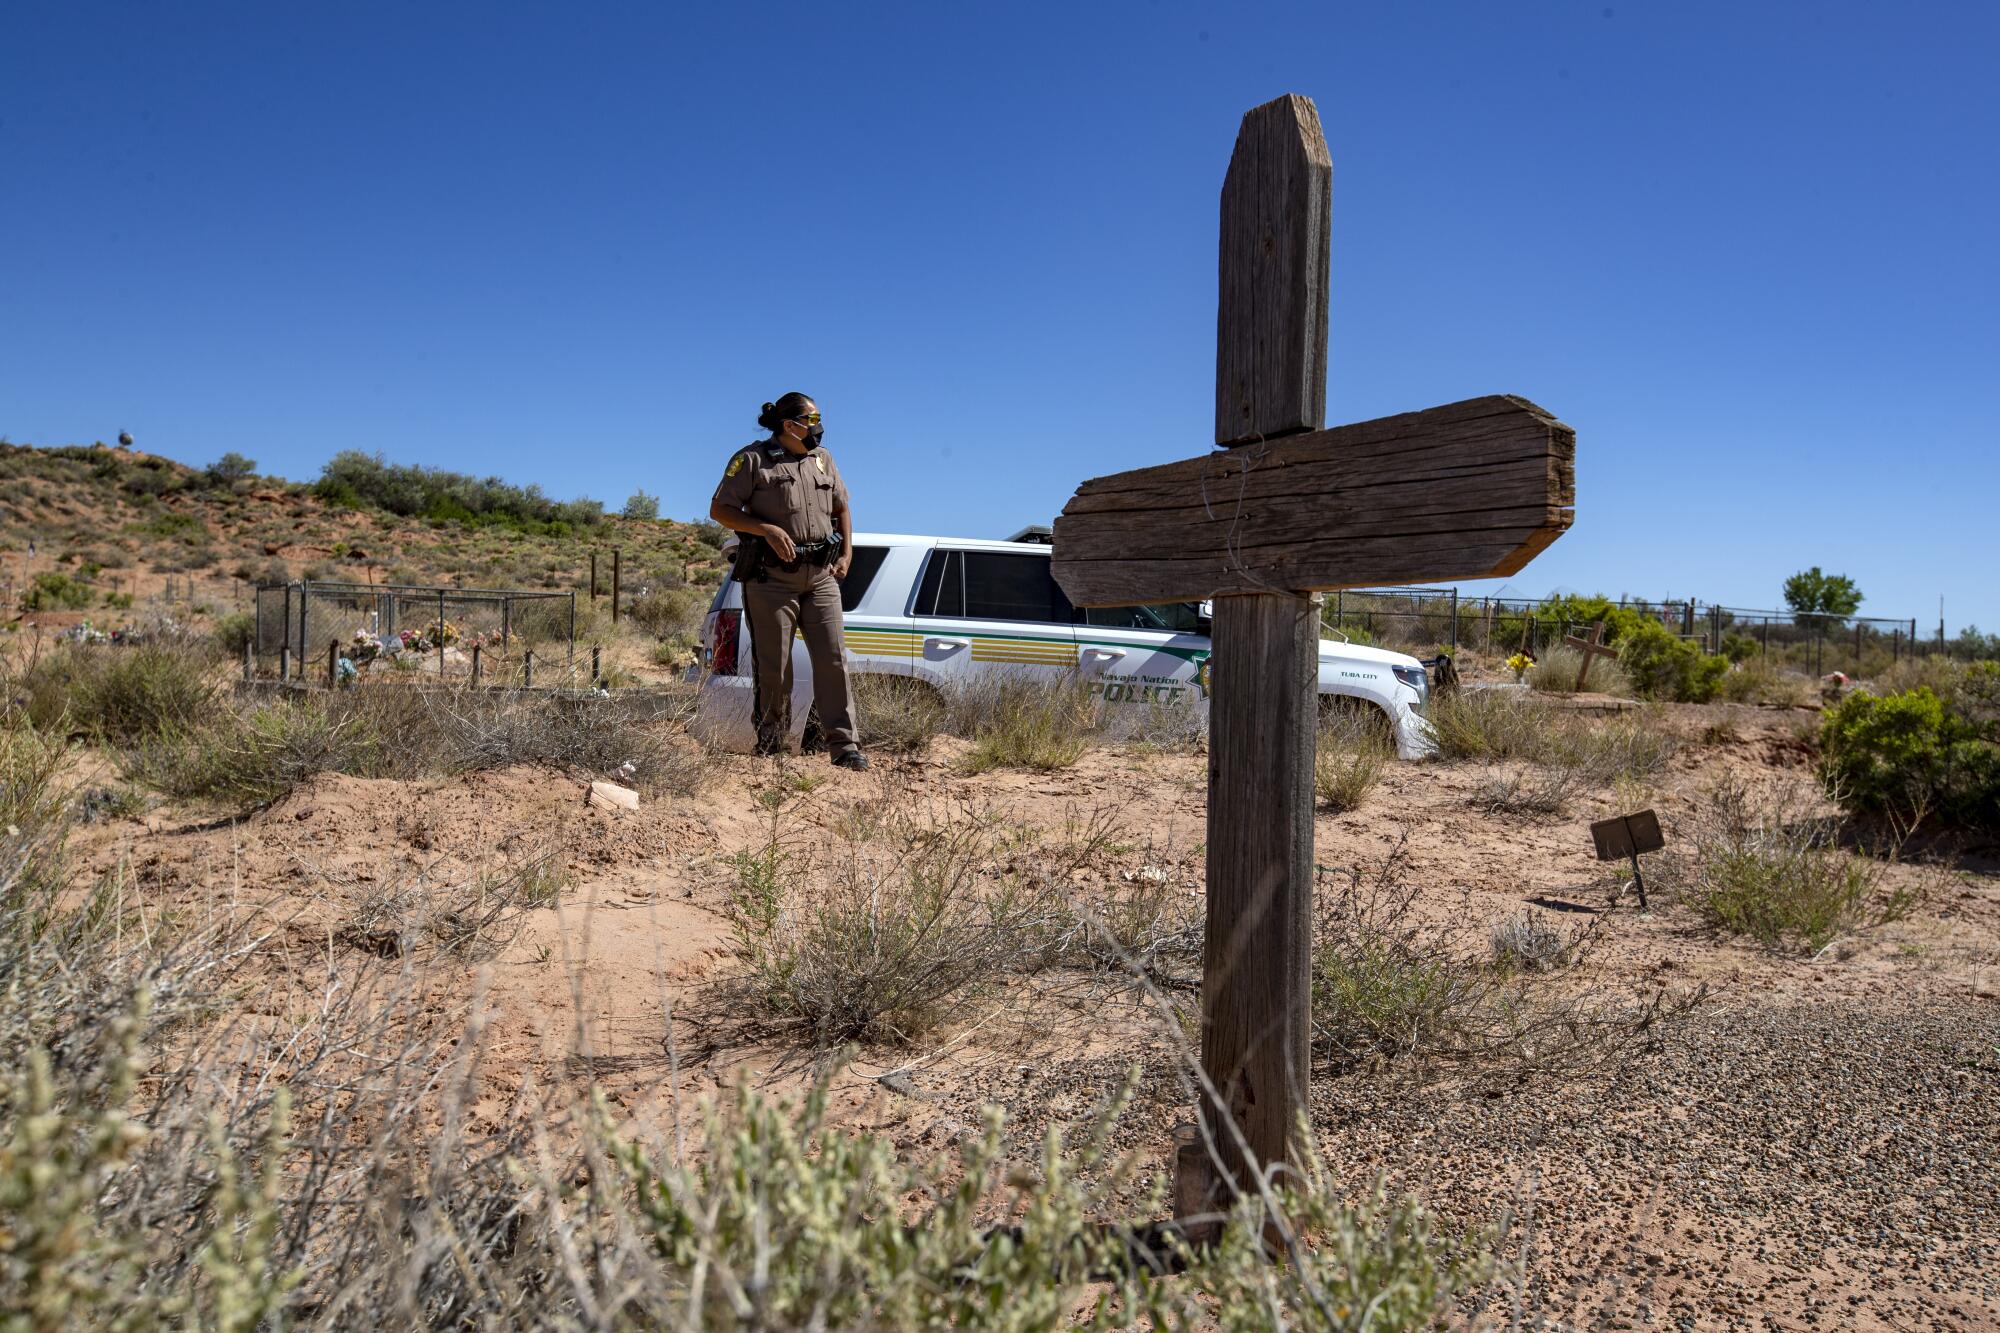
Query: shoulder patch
735, 466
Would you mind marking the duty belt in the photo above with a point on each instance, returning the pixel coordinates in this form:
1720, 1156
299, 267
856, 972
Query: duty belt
815, 553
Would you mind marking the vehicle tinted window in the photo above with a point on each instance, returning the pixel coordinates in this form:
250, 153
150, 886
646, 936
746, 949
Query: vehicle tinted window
867, 563
942, 592
1012, 587
1177, 617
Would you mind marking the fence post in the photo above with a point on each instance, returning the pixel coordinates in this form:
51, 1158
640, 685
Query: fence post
1528, 635
1687, 618
284, 661
1895, 645
593, 576
305, 600
506, 619
528, 668
1454, 622
1766, 636
615, 554
250, 657
571, 668
475, 666
1857, 647
332, 663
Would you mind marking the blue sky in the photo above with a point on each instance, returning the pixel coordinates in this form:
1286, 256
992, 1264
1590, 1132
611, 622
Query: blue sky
1745, 249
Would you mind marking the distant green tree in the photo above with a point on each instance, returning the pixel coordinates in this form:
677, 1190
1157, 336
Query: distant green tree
232, 466
1815, 594
642, 505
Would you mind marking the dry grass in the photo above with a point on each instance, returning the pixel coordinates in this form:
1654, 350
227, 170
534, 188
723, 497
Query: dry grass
1351, 752
1023, 722
1552, 756
1772, 869
878, 946
259, 753
1554, 672
896, 714
1760, 680
1392, 990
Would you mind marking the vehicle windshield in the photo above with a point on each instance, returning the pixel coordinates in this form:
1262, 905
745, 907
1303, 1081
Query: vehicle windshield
1171, 617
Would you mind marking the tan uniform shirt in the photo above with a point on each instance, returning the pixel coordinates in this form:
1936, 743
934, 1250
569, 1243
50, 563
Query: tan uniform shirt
803, 494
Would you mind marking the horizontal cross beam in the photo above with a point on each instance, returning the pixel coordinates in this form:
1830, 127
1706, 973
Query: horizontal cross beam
1468, 490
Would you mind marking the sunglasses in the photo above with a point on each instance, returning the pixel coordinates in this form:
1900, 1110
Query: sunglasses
810, 418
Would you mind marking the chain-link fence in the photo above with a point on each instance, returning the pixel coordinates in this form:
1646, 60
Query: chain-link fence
487, 634
1425, 621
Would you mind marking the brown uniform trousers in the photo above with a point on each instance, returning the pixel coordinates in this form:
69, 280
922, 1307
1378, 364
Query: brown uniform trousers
808, 601
804, 495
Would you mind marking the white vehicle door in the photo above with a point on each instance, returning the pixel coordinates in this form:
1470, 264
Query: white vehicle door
1144, 655
879, 635
985, 614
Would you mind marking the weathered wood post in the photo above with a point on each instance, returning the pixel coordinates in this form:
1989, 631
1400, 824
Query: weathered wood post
1287, 509
528, 668
615, 554
593, 576
332, 663
475, 666
250, 656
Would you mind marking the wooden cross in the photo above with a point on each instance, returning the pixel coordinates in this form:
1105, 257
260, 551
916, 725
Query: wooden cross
1592, 647
1286, 510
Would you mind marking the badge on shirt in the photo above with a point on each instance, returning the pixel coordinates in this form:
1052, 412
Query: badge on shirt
819, 462
735, 466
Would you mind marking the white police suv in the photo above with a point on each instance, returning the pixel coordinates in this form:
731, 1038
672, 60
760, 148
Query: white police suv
946, 611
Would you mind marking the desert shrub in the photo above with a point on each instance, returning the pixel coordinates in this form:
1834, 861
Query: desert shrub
121, 694
670, 612
1022, 722
52, 590
1771, 870
883, 944
1739, 647
1554, 672
1909, 758
641, 506
353, 479
1528, 943
1662, 665
1348, 761
234, 632
251, 760
897, 714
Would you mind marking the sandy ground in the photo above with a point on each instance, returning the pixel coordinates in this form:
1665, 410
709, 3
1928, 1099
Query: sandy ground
1814, 1148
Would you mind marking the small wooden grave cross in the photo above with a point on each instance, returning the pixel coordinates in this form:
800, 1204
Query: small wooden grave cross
1594, 646
1288, 509
1627, 836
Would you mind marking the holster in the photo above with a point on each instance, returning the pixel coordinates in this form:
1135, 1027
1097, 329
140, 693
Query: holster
753, 557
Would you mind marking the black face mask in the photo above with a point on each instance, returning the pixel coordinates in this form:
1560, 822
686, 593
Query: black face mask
813, 433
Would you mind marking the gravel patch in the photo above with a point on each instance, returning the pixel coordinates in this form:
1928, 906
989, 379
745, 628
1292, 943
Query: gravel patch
1810, 1167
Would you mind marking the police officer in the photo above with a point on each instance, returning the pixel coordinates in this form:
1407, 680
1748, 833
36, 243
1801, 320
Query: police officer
786, 498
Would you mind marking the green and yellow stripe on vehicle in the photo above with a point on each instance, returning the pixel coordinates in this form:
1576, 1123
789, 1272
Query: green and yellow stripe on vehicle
883, 643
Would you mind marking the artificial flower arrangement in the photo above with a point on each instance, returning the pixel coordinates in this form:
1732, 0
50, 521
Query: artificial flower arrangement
1519, 664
